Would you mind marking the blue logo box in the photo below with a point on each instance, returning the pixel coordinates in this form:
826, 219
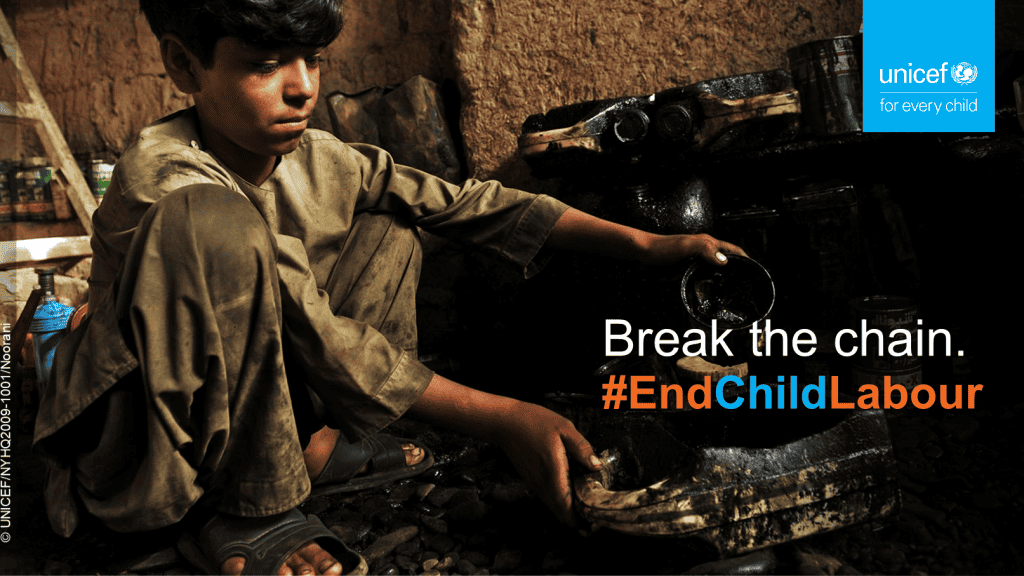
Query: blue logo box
929, 66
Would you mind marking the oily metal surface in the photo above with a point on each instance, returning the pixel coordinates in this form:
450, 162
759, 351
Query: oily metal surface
739, 498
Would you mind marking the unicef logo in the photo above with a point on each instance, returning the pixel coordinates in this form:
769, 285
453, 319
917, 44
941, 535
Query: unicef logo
964, 73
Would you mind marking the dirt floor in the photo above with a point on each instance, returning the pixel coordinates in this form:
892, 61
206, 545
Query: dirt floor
958, 470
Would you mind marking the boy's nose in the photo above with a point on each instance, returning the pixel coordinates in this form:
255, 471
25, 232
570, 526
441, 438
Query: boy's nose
302, 81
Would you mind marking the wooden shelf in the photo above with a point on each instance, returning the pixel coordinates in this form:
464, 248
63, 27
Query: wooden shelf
44, 252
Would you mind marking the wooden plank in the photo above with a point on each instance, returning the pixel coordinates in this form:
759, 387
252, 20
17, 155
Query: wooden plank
40, 251
72, 182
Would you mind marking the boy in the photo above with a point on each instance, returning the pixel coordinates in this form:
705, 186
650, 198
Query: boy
253, 281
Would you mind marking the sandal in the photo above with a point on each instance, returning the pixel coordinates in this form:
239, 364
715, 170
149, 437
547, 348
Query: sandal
386, 464
265, 542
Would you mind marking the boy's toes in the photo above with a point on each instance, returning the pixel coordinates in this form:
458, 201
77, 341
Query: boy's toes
233, 565
413, 454
310, 559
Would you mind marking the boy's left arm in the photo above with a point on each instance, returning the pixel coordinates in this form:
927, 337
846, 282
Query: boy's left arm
582, 232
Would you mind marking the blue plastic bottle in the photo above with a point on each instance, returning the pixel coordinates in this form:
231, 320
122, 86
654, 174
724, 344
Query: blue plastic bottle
48, 327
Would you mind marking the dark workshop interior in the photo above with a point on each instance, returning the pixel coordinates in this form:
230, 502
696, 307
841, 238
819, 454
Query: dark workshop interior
673, 116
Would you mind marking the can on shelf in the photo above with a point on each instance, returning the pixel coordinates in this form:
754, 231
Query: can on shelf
33, 182
21, 195
99, 178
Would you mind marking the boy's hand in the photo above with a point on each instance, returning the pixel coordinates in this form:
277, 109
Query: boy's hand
540, 442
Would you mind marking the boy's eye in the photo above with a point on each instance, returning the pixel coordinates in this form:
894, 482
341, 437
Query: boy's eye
270, 66
266, 66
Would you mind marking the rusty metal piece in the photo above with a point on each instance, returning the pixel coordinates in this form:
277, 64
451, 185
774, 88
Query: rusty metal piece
77, 316
740, 499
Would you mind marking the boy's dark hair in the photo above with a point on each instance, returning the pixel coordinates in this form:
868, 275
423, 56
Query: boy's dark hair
260, 23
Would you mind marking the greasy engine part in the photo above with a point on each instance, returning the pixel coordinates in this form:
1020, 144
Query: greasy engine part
739, 480
727, 113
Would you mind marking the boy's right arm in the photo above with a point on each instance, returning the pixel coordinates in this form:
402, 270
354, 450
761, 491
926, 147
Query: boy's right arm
538, 441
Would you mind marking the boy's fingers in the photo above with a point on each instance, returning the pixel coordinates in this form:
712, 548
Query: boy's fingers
717, 251
731, 248
580, 449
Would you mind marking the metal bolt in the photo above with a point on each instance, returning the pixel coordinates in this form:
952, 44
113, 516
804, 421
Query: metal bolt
631, 126
674, 121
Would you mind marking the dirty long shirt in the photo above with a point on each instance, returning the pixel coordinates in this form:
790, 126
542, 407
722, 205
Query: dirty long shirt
308, 202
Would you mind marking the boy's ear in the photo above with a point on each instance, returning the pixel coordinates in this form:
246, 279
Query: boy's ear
180, 63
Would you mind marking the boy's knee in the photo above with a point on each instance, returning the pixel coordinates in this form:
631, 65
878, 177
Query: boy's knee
216, 217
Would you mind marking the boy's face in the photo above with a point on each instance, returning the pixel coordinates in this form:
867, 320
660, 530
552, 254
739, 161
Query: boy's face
255, 103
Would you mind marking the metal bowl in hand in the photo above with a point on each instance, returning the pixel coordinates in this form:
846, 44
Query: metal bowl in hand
732, 297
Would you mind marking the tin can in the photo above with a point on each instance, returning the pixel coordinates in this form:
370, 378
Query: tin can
823, 220
828, 75
99, 174
22, 194
885, 314
33, 183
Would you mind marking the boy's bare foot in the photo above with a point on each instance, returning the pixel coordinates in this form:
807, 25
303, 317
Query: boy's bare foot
321, 444
311, 558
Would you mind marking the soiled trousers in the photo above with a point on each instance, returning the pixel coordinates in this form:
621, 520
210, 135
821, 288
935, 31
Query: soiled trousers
203, 265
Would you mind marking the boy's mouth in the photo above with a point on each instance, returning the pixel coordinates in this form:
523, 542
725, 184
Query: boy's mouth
295, 121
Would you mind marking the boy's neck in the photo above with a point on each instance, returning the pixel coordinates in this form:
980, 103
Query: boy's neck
254, 168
